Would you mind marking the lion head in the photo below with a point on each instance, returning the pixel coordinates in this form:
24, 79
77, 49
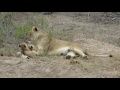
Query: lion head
23, 46
35, 34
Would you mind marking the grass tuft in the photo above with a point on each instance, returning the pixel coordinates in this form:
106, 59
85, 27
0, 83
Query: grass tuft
22, 31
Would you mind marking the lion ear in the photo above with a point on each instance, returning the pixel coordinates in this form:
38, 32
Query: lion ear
31, 48
34, 29
19, 45
24, 46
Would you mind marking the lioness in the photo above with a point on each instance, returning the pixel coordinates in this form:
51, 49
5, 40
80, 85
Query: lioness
28, 49
47, 45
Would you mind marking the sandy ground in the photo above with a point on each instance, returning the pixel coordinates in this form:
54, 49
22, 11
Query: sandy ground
58, 66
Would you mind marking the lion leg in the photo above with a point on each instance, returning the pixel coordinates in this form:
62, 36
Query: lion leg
71, 54
24, 56
41, 52
80, 52
62, 51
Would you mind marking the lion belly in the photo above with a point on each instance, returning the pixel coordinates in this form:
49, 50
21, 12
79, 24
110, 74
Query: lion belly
60, 51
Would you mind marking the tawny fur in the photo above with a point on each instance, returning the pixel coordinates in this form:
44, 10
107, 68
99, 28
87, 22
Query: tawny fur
25, 50
47, 45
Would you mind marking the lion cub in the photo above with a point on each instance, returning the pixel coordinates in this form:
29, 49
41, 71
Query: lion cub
28, 50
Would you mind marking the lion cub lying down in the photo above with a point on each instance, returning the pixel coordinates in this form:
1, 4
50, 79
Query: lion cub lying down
27, 50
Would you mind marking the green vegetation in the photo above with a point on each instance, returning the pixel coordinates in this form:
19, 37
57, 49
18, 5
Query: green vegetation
22, 31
